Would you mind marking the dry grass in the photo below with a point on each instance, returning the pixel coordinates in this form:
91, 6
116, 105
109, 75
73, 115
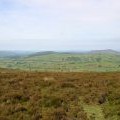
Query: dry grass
57, 96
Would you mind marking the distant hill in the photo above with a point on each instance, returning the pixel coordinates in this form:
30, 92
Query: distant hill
108, 51
104, 51
7, 54
41, 53
13, 54
98, 60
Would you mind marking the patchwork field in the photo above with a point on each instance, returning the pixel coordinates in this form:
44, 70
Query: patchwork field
59, 96
101, 61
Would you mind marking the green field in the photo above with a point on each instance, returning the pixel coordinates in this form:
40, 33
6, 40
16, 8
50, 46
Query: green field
74, 62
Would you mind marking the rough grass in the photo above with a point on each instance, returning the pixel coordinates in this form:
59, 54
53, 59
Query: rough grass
94, 112
56, 96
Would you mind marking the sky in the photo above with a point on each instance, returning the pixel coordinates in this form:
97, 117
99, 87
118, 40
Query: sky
59, 25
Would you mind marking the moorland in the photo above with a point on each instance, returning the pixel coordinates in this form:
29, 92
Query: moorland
59, 96
60, 86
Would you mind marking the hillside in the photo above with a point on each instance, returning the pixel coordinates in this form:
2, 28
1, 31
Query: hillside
59, 96
4, 54
110, 51
14, 54
105, 60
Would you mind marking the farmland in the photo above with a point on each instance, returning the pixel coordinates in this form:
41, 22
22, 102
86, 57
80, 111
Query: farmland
64, 62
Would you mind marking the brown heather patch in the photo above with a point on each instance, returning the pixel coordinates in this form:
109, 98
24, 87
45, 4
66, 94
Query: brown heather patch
57, 96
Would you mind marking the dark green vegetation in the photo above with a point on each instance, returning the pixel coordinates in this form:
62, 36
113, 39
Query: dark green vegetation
100, 61
59, 96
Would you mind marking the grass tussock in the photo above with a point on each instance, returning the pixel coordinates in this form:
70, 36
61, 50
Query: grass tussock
59, 96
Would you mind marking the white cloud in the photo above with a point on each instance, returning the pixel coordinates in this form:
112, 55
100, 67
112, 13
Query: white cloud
59, 21
83, 10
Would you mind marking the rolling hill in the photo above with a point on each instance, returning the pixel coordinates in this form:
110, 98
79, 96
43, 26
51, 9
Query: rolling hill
14, 54
100, 61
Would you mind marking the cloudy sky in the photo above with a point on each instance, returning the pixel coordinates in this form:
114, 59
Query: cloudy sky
59, 24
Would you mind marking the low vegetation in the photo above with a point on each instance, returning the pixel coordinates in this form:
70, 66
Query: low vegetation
59, 96
65, 62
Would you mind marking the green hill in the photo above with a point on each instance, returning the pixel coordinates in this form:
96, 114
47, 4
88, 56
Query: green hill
105, 60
